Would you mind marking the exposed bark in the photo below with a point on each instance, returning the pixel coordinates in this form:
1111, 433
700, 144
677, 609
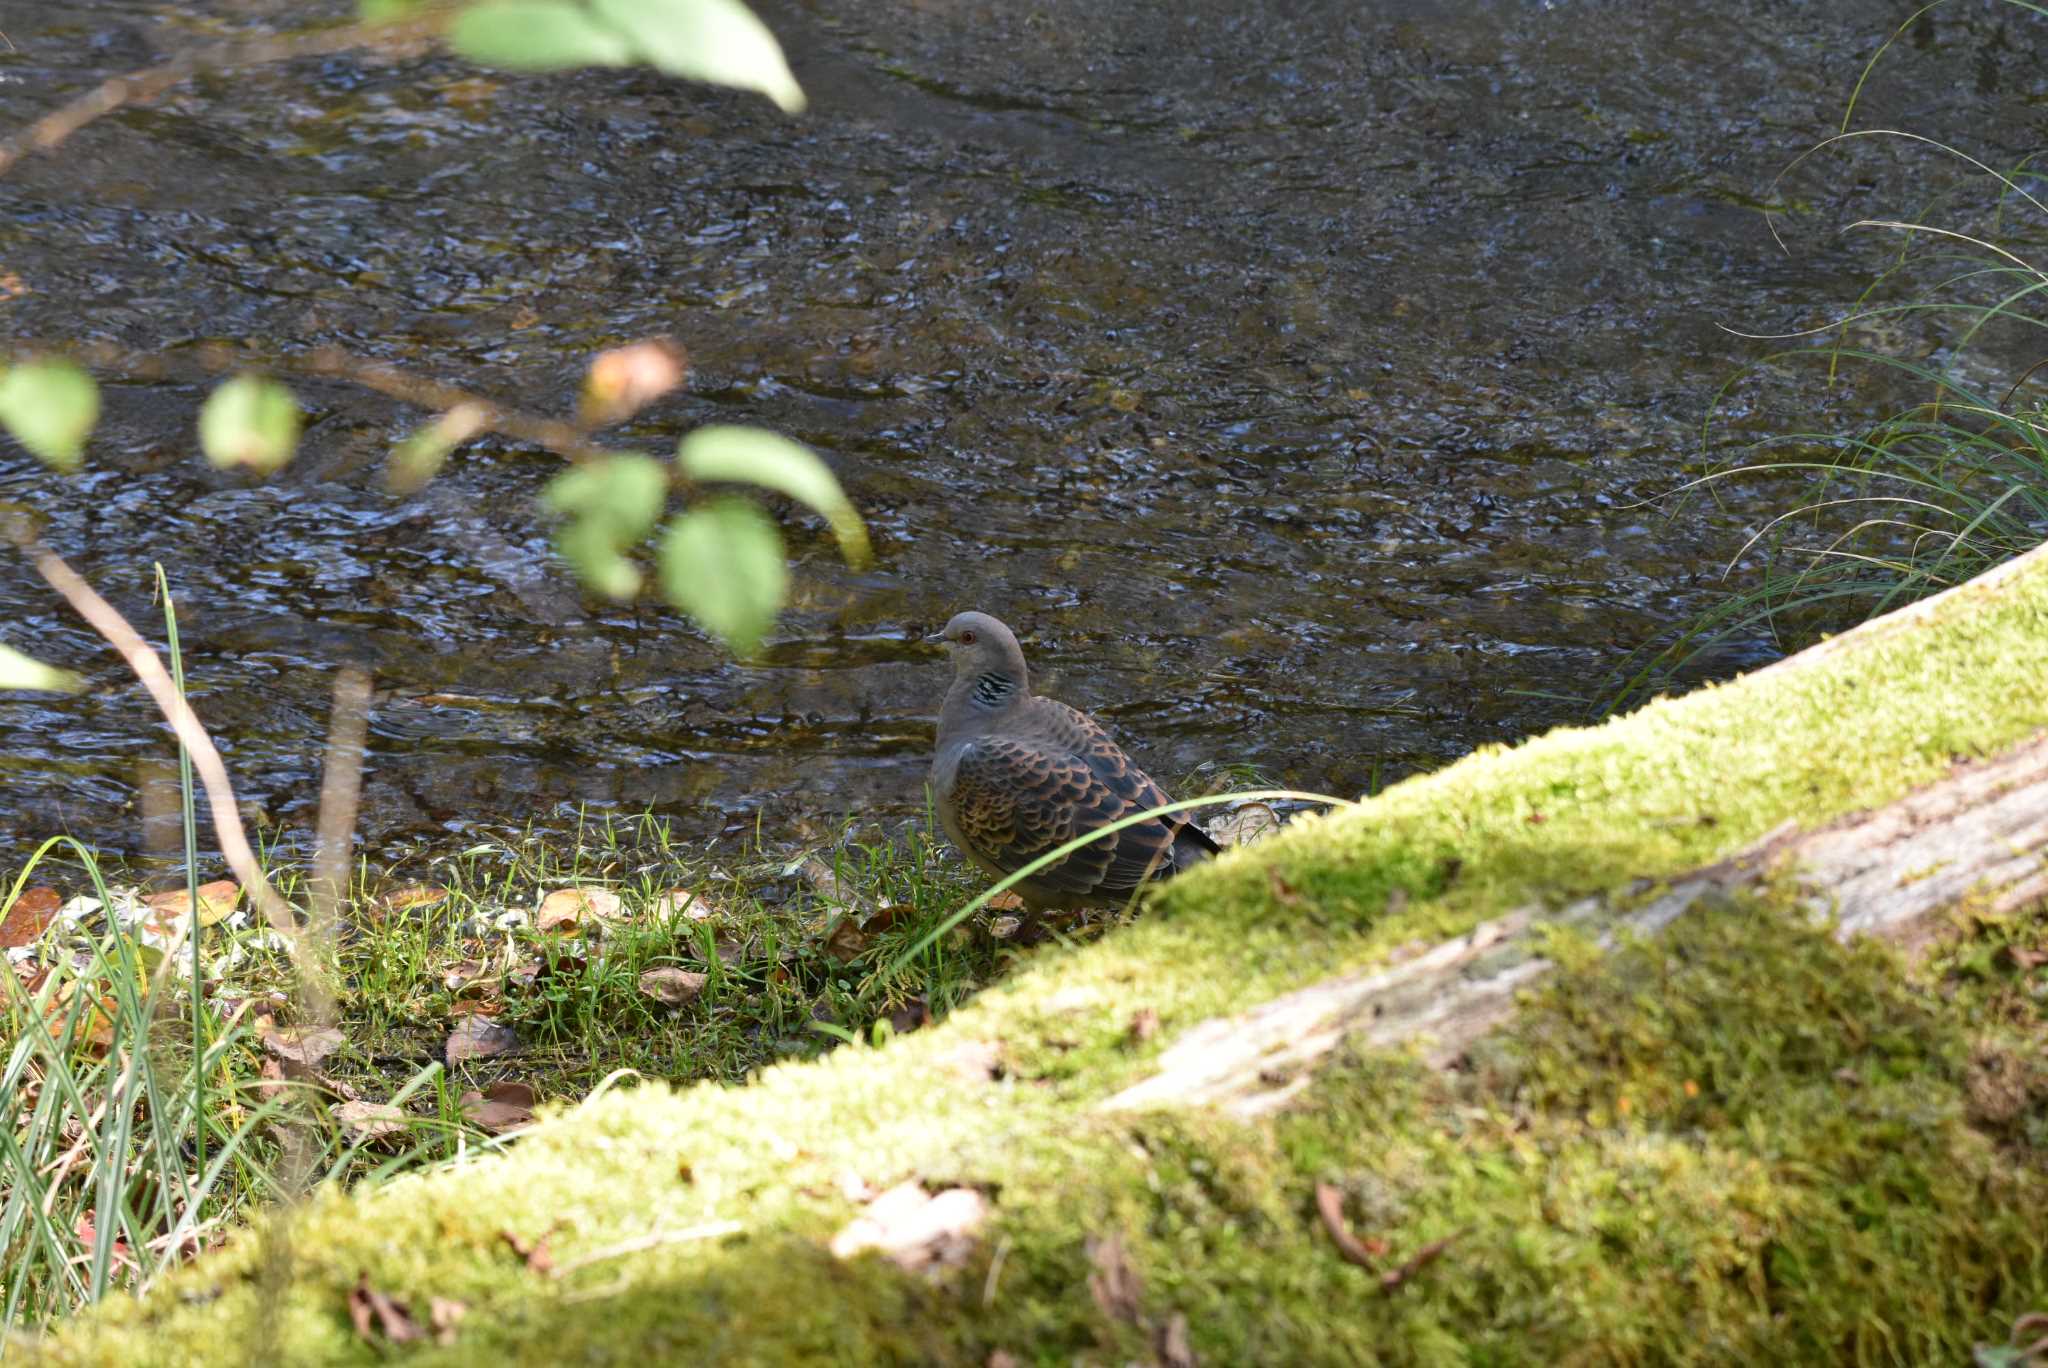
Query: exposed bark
1977, 837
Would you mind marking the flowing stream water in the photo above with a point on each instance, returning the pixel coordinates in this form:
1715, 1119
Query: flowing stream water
1291, 375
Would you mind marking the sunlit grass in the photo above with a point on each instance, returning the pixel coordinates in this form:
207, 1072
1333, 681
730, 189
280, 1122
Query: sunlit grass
1929, 496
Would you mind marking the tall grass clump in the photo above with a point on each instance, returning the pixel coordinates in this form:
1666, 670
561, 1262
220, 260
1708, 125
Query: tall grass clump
126, 1142
1953, 479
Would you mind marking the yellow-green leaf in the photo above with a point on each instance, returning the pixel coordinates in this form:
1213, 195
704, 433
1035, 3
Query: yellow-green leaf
50, 407
722, 563
250, 422
18, 671
755, 456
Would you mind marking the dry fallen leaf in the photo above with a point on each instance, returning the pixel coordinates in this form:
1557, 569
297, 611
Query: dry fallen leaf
673, 987
169, 911
1144, 1025
847, 941
474, 1037
444, 1314
1175, 1349
1118, 1291
626, 379
28, 916
916, 1230
466, 978
306, 1047
500, 1108
372, 1311
570, 910
1006, 901
531, 974
372, 1120
88, 1234
913, 1014
539, 1258
1005, 928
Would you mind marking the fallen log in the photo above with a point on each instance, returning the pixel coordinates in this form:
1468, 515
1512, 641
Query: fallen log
1977, 837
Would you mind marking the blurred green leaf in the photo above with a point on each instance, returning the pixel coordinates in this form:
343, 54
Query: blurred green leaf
755, 456
388, 11
50, 408
18, 671
537, 35
250, 422
719, 41
722, 563
611, 503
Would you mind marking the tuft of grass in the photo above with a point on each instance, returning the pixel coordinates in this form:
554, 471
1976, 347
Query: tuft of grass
131, 1137
1937, 491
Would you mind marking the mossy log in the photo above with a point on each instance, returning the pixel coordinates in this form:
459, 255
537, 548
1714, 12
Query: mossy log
1977, 838
1694, 1115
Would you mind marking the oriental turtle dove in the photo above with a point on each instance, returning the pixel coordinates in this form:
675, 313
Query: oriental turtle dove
1016, 775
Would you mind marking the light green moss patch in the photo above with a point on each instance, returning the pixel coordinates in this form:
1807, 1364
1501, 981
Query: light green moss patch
1743, 1141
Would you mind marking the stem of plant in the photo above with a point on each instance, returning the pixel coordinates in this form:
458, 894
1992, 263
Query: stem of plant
189, 809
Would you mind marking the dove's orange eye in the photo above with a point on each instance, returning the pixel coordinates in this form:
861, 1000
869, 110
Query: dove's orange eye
967, 638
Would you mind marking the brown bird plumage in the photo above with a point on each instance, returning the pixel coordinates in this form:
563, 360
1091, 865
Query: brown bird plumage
1016, 775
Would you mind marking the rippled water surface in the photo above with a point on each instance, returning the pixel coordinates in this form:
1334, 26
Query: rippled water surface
1289, 373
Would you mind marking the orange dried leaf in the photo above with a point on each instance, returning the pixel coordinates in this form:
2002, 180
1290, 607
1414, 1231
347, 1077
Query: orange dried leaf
34, 912
216, 901
569, 910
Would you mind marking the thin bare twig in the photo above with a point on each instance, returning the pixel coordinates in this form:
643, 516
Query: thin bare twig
1330, 1206
341, 788
557, 435
140, 86
710, 1230
564, 438
220, 793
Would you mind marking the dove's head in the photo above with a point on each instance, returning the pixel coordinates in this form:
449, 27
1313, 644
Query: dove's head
983, 650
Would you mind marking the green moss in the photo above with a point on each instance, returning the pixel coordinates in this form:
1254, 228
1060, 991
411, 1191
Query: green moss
1740, 1142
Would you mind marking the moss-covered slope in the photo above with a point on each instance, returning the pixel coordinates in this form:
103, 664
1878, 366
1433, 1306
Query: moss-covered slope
1744, 1142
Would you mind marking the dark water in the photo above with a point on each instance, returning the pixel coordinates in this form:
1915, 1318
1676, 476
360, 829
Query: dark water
1288, 373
